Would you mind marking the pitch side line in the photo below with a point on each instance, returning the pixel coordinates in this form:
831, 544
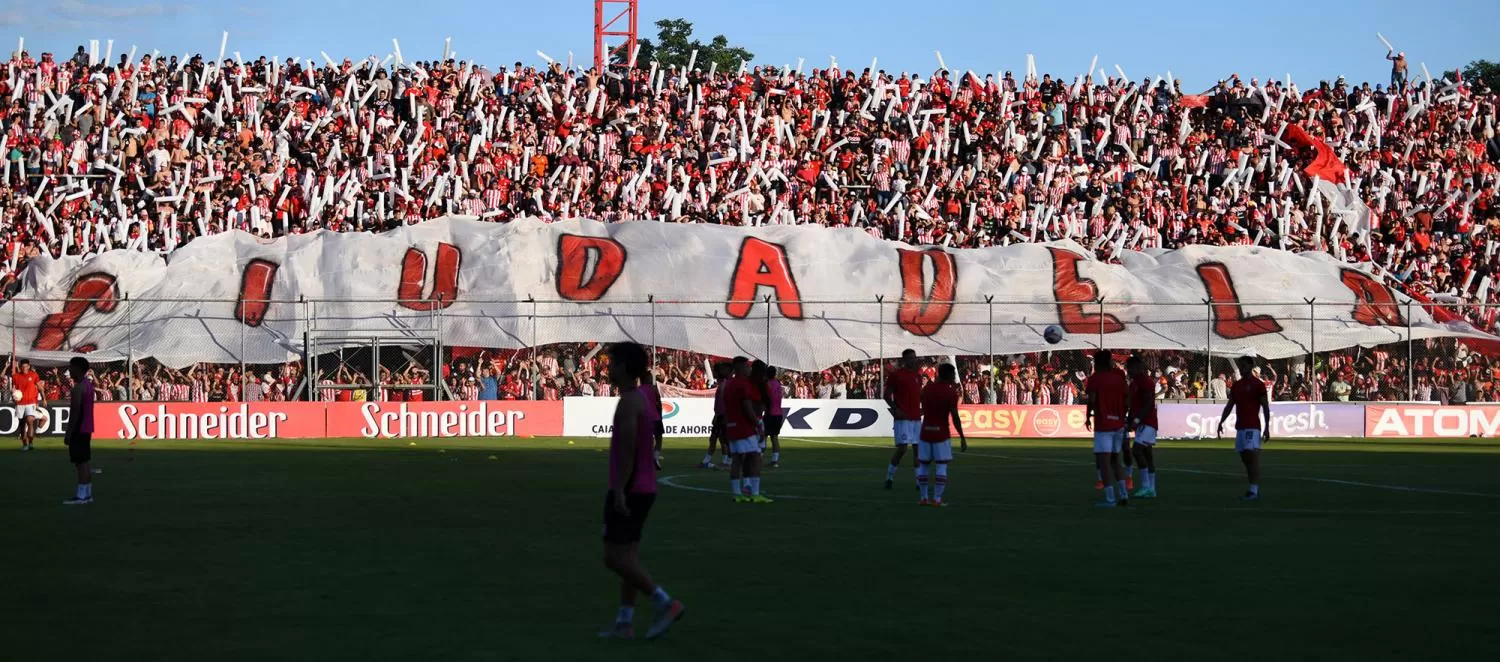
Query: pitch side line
671, 481
1309, 479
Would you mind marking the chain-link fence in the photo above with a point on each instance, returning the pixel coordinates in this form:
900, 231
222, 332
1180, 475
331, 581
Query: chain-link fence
377, 350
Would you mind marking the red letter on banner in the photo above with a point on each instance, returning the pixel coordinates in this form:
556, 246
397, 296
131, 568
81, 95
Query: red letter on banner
1229, 318
414, 278
575, 254
1072, 292
95, 291
923, 311
255, 291
1376, 305
763, 264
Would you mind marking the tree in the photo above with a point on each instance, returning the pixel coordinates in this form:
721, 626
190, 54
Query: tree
1484, 70
674, 45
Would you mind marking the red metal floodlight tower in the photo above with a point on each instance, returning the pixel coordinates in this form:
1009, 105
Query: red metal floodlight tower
603, 28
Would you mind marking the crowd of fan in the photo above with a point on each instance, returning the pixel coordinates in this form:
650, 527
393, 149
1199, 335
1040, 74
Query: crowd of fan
1442, 371
146, 154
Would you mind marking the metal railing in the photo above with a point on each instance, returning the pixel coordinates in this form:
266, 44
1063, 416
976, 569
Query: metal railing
344, 332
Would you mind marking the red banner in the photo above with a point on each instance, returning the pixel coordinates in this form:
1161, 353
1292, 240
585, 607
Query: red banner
318, 420
1432, 421
1002, 421
204, 420
488, 418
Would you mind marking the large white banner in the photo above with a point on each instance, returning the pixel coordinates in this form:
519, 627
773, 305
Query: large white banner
693, 417
834, 295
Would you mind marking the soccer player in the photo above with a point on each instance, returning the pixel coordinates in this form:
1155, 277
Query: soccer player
1143, 421
903, 393
743, 429
26, 381
1105, 415
775, 415
716, 430
632, 491
1247, 398
653, 397
760, 376
80, 434
939, 406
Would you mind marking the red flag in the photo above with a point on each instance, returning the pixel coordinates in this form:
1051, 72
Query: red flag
1445, 314
1193, 101
465, 352
976, 85
1326, 165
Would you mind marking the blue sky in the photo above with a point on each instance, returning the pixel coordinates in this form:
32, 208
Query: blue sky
1199, 42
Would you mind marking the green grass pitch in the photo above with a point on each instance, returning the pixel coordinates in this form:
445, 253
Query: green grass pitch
490, 550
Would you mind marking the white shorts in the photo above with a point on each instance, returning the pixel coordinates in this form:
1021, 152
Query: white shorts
1246, 440
26, 411
935, 451
908, 432
1145, 434
745, 446
1108, 442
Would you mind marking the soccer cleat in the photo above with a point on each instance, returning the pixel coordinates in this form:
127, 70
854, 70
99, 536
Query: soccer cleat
1143, 493
665, 619
1104, 504
776, 464
937, 503
618, 631
741, 499
706, 465
1250, 496
26, 447
1099, 485
888, 483
761, 498
925, 502
78, 502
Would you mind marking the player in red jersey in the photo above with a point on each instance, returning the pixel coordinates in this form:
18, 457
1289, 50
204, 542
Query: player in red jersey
1143, 422
27, 383
1248, 400
903, 393
939, 406
743, 429
1105, 415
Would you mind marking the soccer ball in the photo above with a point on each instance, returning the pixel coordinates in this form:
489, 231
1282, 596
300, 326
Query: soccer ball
1053, 334
15, 396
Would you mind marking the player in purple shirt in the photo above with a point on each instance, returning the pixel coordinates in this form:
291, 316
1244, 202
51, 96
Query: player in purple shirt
775, 415
632, 491
716, 430
80, 432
